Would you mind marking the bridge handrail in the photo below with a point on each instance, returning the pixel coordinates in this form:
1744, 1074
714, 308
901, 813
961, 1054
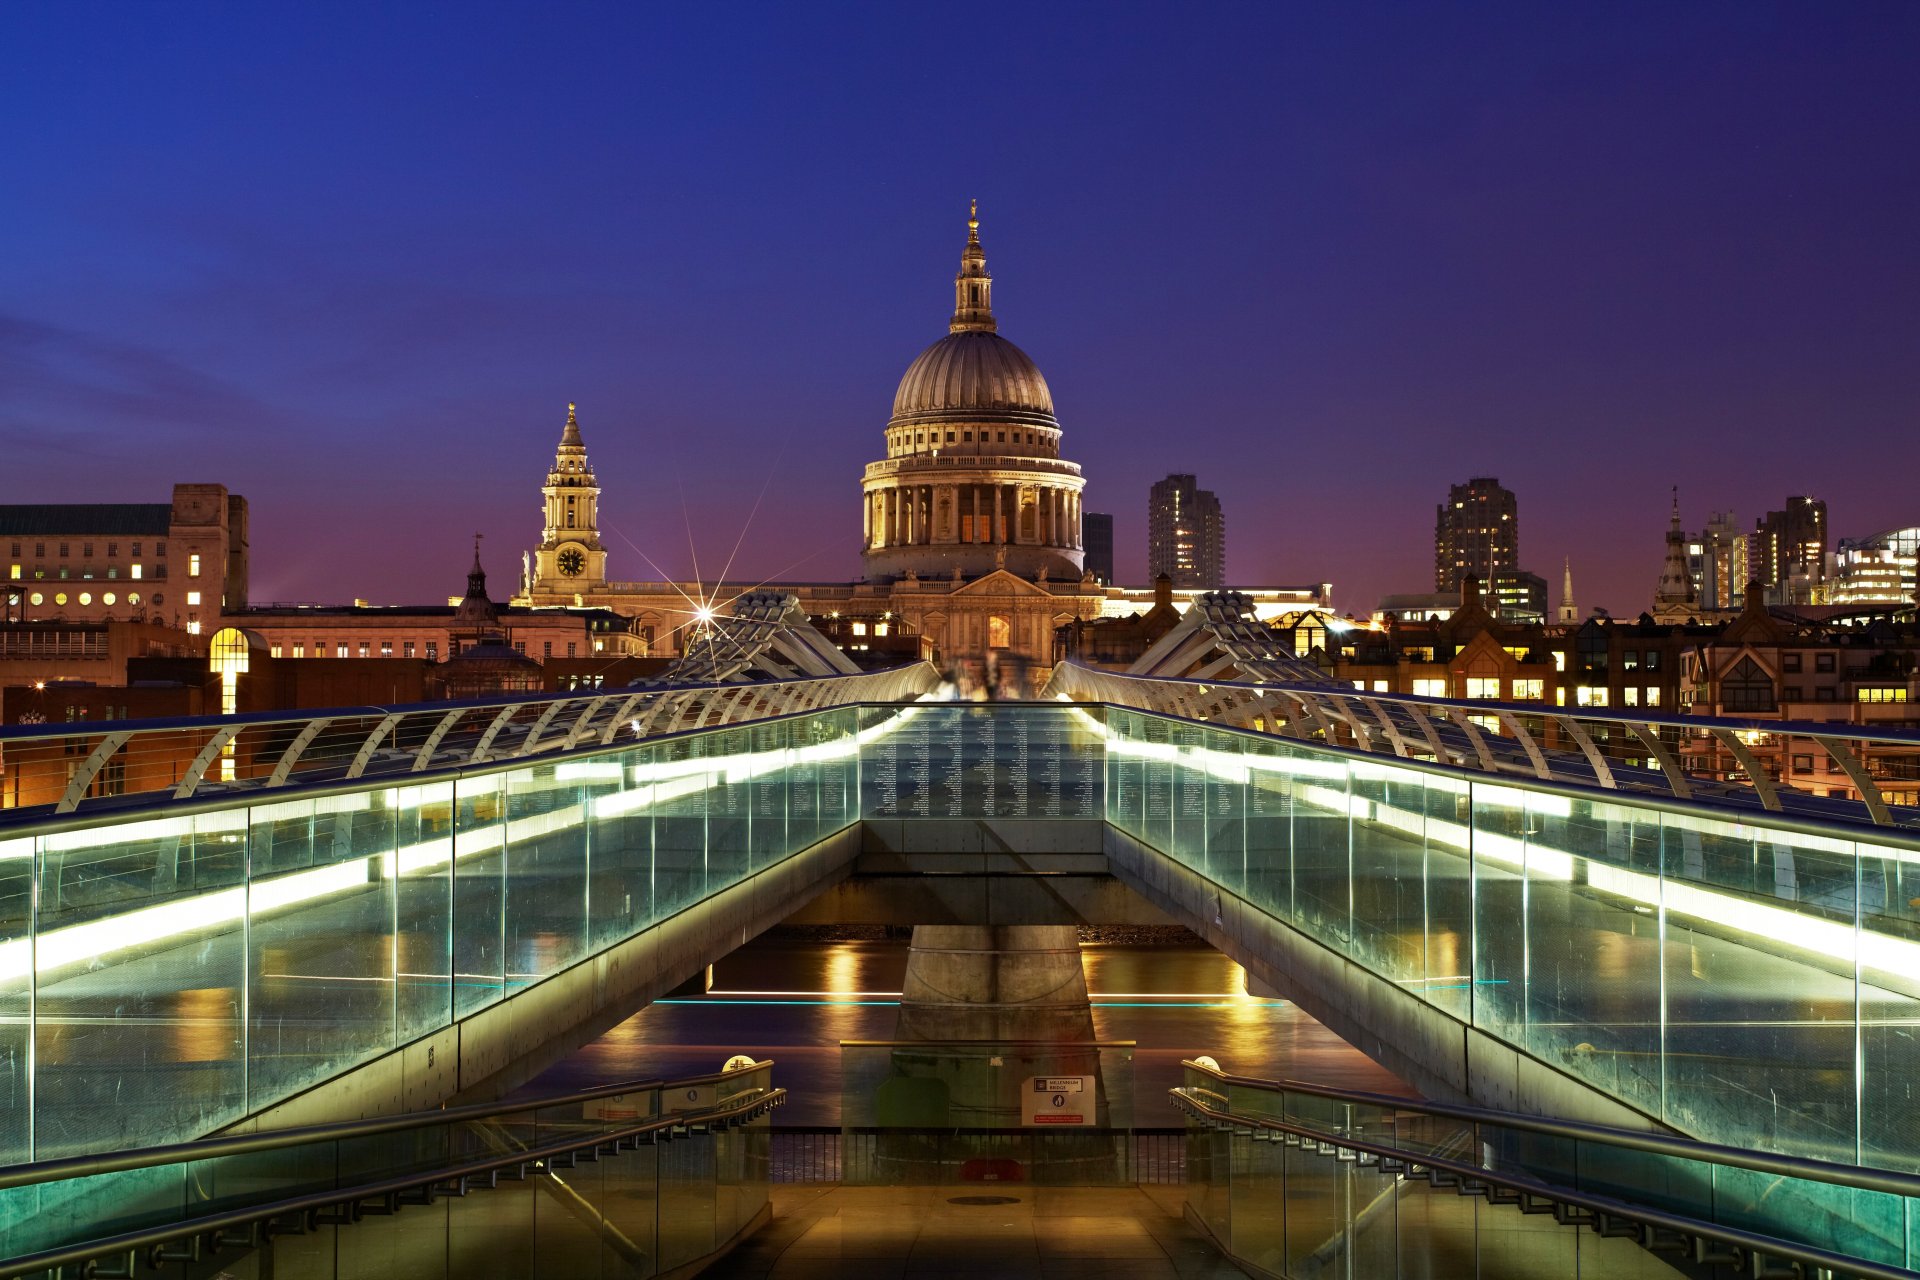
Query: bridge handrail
419, 1187
43, 1171
1525, 739
1753, 1251
1888, 1181
96, 764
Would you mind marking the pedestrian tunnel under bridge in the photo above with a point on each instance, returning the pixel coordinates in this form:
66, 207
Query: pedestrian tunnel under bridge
255, 922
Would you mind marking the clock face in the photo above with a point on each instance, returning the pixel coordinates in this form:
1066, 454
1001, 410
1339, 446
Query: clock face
572, 561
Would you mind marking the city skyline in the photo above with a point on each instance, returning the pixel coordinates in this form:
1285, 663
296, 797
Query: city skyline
254, 284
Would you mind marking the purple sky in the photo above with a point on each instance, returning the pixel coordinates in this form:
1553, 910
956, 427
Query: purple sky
354, 262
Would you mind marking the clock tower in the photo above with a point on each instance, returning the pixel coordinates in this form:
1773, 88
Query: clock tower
570, 559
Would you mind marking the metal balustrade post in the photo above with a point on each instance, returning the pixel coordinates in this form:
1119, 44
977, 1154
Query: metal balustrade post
432, 744
190, 781
1527, 744
532, 742
296, 749
485, 744
1601, 769
90, 769
1676, 777
1850, 765
372, 744
1756, 776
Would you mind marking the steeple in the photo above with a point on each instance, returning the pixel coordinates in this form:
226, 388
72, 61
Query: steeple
1569, 611
973, 287
1675, 593
476, 615
570, 559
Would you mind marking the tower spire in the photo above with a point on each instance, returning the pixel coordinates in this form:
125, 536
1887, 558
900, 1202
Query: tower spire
973, 287
1569, 611
570, 434
1675, 594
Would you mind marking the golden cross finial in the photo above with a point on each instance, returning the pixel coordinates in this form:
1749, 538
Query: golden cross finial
973, 214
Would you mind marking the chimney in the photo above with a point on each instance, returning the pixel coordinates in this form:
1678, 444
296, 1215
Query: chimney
1163, 591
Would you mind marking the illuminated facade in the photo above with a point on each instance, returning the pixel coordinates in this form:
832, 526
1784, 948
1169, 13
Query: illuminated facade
1881, 569
183, 563
970, 524
1476, 533
570, 559
1788, 555
1186, 534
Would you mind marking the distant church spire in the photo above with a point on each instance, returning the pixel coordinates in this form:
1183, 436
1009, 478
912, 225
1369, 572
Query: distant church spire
1569, 611
570, 434
1675, 592
973, 287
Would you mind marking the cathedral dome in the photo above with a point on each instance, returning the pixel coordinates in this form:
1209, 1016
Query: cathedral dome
971, 374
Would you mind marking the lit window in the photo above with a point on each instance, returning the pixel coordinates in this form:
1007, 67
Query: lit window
366, 649
340, 651
273, 651
193, 597
37, 598
133, 570
386, 648
433, 651
1483, 687
1430, 688
193, 627
107, 598
859, 628
193, 565
1589, 697
1529, 690
1559, 660
299, 649
1380, 686
86, 597
133, 597
1652, 698
1630, 697
1881, 695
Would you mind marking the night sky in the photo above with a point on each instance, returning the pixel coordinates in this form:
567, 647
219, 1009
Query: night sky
353, 263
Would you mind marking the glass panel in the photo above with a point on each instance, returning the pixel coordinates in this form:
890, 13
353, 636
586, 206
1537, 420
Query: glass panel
1269, 827
620, 845
16, 997
319, 940
479, 893
1499, 910
1389, 825
546, 875
141, 968
423, 906
1322, 866
679, 825
1448, 877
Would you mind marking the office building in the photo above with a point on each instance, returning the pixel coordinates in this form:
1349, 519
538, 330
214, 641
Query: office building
1476, 534
1186, 534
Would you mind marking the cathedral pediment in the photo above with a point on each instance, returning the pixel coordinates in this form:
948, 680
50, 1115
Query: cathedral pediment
1001, 582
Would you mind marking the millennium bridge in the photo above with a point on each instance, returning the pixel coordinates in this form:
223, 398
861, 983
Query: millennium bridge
271, 986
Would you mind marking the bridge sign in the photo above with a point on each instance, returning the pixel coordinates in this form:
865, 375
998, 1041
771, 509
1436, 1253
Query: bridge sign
1057, 1100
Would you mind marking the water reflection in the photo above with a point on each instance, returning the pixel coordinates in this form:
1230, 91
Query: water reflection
796, 1001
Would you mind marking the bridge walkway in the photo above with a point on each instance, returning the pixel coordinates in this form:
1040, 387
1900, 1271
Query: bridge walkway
1006, 1231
